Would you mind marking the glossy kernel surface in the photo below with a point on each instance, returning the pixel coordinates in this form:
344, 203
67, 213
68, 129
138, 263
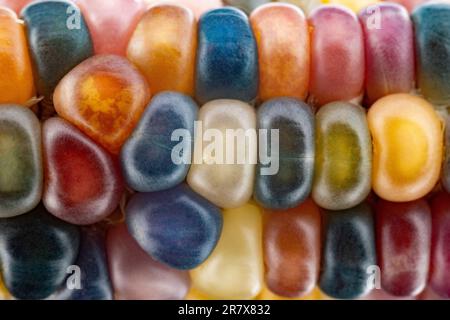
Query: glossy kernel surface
292, 248
59, 40
403, 245
21, 177
151, 159
337, 55
389, 50
227, 184
137, 276
163, 47
283, 51
16, 76
111, 23
35, 250
343, 156
104, 97
348, 251
286, 180
227, 57
432, 39
83, 182
440, 246
176, 227
235, 268
407, 147
445, 175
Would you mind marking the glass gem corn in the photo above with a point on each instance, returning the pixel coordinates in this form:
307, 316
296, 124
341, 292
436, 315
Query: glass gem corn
148, 158
83, 182
21, 178
16, 75
135, 275
104, 97
176, 227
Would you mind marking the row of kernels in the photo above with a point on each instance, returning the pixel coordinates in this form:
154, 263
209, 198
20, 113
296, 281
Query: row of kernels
329, 66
